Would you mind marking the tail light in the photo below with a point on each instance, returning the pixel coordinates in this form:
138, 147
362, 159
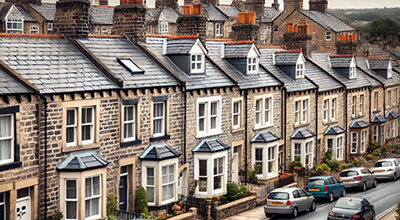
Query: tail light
265, 202
331, 214
326, 189
356, 217
357, 177
340, 179
304, 188
288, 203
390, 170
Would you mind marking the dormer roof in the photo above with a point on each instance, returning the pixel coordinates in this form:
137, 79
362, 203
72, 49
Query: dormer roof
302, 133
379, 63
334, 130
341, 61
185, 45
210, 145
359, 124
392, 115
159, 151
378, 119
288, 58
80, 161
264, 137
241, 49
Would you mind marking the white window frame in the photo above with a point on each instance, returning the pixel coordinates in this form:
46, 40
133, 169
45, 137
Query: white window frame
218, 29
263, 111
375, 134
151, 186
161, 117
163, 28
339, 148
266, 159
12, 22
376, 94
389, 98
252, 64
131, 123
353, 106
90, 124
361, 108
258, 115
257, 161
306, 150
219, 172
208, 131
268, 111
203, 177
11, 138
34, 29
237, 114
328, 36
195, 63
99, 196
272, 160
169, 183
300, 70
327, 145
363, 140
297, 153
352, 69
66, 200
304, 114
326, 110
354, 142
74, 126
297, 106
50, 26
393, 128
333, 109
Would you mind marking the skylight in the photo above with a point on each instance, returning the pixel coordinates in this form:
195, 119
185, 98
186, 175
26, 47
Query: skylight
130, 65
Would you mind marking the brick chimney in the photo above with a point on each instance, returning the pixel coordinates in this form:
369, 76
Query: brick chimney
167, 3
192, 21
319, 5
290, 5
130, 20
72, 18
276, 5
246, 29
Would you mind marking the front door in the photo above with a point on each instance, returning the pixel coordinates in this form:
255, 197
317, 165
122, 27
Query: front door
23, 205
123, 189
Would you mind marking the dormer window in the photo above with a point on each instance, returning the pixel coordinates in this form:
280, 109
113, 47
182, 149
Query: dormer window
163, 28
14, 26
352, 71
130, 65
252, 64
197, 63
300, 71
389, 70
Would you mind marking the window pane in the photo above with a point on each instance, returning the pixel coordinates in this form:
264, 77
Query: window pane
150, 176
203, 167
22, 193
214, 110
129, 113
128, 130
158, 110
259, 154
94, 206
217, 182
71, 189
165, 192
214, 123
71, 210
5, 126
86, 132
96, 185
158, 126
71, 117
164, 175
5, 149
88, 184
150, 194
70, 135
202, 184
202, 109
201, 124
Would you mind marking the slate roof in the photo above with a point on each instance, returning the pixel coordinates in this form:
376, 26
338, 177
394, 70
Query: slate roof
213, 14
324, 81
4, 8
378, 119
210, 145
170, 15
340, 61
334, 130
229, 10
362, 79
53, 65
237, 50
359, 124
180, 46
9, 85
290, 84
159, 151
152, 15
27, 16
283, 59
107, 50
302, 133
394, 80
378, 64
264, 137
79, 161
328, 21
101, 15
213, 77
269, 15
48, 11
392, 115
253, 80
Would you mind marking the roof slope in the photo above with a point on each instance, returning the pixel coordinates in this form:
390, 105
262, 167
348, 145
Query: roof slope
27, 16
9, 85
213, 14
159, 151
229, 10
101, 15
394, 80
269, 15
237, 50
169, 15
324, 81
53, 65
48, 11
107, 50
328, 21
180, 46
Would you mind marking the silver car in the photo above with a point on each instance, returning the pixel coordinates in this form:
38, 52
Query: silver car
387, 169
359, 177
288, 201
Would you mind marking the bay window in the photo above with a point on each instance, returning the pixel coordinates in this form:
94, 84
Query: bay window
329, 146
158, 119
354, 142
150, 186
92, 196
303, 151
71, 199
208, 116
363, 139
218, 172
6, 139
168, 182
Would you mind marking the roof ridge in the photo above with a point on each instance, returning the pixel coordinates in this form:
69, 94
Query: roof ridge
14, 74
105, 36
32, 35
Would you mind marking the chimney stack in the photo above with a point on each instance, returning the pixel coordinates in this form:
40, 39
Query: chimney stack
276, 5
130, 20
72, 18
192, 21
246, 29
160, 4
319, 5
256, 6
291, 5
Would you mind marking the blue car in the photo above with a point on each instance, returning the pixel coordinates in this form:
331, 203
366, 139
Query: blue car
325, 187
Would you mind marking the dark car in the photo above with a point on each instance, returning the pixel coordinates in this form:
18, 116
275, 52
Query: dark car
325, 187
352, 208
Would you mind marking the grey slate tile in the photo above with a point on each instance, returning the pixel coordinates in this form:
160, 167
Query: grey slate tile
328, 21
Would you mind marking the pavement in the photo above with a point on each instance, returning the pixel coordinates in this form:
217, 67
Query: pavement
389, 215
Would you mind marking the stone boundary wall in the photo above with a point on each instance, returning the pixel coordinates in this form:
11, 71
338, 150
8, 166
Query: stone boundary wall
191, 215
235, 207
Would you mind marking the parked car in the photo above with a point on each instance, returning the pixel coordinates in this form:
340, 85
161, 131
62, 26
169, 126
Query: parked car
325, 187
352, 208
387, 169
289, 201
359, 177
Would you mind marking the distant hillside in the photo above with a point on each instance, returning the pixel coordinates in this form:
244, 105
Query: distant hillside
358, 17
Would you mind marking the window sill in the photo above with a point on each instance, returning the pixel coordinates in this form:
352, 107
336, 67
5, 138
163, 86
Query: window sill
376, 111
80, 147
329, 122
268, 177
357, 117
165, 137
130, 143
301, 125
208, 134
237, 129
262, 127
10, 166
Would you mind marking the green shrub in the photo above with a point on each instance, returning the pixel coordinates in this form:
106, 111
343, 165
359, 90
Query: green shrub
346, 166
141, 200
253, 176
373, 146
232, 190
294, 164
375, 153
111, 205
384, 150
111, 217
223, 199
334, 164
243, 192
328, 155
322, 167
56, 216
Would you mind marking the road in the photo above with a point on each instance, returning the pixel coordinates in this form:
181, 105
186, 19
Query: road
383, 197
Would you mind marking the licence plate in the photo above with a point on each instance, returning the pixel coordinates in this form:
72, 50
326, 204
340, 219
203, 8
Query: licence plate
313, 190
379, 171
276, 203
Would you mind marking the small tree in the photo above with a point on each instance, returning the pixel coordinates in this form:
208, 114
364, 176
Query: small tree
141, 201
111, 206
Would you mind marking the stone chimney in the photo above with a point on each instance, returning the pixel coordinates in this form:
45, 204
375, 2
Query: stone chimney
246, 29
72, 18
130, 20
256, 6
167, 3
319, 5
276, 5
290, 5
192, 22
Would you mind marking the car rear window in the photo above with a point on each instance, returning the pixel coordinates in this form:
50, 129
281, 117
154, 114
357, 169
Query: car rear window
348, 204
383, 164
278, 196
315, 182
348, 173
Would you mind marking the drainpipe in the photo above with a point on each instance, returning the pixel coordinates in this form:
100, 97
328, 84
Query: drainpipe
184, 126
246, 92
347, 121
283, 120
316, 127
370, 114
45, 156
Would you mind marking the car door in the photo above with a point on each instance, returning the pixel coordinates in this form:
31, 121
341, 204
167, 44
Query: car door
397, 167
367, 210
296, 200
303, 201
367, 177
333, 186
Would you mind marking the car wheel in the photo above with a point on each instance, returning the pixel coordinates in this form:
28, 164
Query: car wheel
373, 216
268, 215
294, 214
331, 198
364, 187
344, 193
313, 206
375, 183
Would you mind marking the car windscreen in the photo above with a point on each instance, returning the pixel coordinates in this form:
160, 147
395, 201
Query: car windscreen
348, 204
348, 173
278, 196
383, 164
315, 182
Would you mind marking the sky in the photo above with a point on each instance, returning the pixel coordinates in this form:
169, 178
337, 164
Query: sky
344, 3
